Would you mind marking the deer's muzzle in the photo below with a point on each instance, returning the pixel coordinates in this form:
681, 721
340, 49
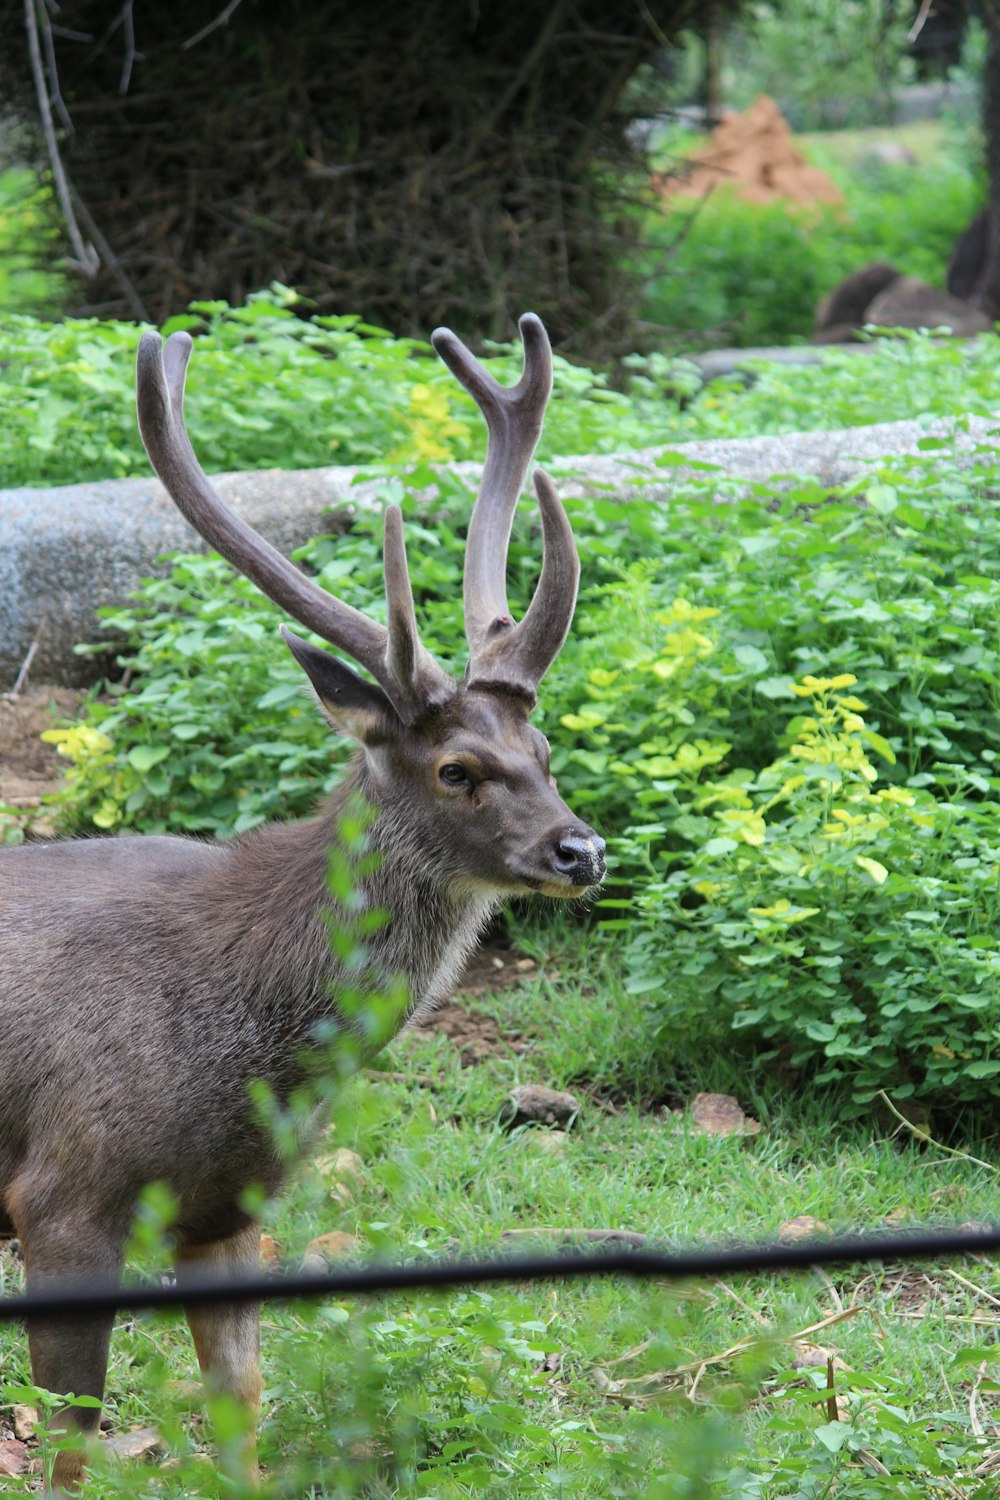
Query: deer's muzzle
579, 858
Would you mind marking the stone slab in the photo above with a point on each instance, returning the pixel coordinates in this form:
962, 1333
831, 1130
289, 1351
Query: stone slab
66, 552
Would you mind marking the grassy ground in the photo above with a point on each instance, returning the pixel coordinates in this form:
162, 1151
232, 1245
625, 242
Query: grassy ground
602, 1387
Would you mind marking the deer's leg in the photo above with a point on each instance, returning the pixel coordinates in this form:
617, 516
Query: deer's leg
69, 1354
227, 1334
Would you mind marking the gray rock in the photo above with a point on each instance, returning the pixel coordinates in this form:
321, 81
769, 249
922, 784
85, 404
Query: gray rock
65, 552
534, 1104
879, 154
909, 302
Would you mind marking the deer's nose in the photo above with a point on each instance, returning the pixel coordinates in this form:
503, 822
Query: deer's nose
580, 858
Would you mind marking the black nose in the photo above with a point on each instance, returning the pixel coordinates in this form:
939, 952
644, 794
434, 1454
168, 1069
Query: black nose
580, 859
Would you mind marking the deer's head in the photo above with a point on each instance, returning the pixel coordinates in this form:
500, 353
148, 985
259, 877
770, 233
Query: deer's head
457, 766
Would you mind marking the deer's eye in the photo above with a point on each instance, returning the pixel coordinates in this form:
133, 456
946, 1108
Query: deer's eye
453, 773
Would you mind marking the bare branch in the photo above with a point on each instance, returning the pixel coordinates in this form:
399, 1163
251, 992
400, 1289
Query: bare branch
128, 21
918, 25
222, 19
53, 72
110, 259
86, 258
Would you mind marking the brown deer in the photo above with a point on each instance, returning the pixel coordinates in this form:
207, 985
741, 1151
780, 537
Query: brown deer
145, 982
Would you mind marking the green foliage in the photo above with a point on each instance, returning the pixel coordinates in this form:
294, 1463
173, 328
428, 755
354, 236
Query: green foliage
824, 881
26, 227
67, 396
829, 63
749, 274
910, 378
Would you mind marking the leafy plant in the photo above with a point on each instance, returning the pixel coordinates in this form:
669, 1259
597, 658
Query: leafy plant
67, 396
751, 274
743, 826
27, 224
829, 63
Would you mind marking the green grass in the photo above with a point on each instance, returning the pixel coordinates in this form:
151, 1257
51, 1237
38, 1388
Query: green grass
442, 1395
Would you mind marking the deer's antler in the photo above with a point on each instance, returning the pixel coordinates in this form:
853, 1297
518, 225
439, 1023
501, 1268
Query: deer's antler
394, 656
501, 652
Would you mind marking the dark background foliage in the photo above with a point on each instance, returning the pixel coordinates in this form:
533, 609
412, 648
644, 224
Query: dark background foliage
417, 164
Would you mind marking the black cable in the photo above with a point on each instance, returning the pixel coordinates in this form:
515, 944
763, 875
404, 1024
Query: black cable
715, 1261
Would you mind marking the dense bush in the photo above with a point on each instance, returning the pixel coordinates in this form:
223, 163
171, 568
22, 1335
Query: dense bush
788, 721
67, 396
27, 226
831, 63
749, 274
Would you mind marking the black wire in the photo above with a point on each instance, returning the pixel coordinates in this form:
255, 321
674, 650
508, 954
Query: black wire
711, 1262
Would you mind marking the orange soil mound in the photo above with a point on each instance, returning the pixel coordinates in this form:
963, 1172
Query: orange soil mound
756, 155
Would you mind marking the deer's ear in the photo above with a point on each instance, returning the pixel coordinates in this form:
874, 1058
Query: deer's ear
355, 707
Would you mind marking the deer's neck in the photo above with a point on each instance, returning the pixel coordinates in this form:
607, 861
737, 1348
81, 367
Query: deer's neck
278, 911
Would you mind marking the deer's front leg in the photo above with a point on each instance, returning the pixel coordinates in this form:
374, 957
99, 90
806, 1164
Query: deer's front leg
69, 1354
227, 1334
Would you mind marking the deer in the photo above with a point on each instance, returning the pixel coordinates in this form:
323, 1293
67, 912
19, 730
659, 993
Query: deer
147, 981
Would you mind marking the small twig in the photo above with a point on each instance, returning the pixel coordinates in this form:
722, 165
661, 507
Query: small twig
979, 1320
832, 1410
22, 675
128, 63
757, 1317
828, 1283
871, 1462
974, 1419
692, 1393
924, 1135
220, 20
980, 1291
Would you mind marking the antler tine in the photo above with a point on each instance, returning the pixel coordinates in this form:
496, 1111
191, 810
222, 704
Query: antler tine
514, 420
407, 659
160, 377
525, 653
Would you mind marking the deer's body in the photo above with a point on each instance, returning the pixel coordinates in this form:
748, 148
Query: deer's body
145, 983
180, 972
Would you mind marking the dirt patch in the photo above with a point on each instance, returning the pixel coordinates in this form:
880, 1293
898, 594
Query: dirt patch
756, 155
29, 768
493, 967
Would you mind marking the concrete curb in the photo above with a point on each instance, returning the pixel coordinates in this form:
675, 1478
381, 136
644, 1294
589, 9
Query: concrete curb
66, 552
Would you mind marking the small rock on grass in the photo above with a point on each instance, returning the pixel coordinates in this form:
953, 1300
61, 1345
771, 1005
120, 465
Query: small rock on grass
342, 1163
328, 1249
549, 1142
13, 1458
138, 1442
803, 1227
533, 1104
719, 1114
25, 1420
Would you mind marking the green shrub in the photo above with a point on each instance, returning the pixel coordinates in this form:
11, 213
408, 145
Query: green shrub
675, 713
749, 274
26, 226
910, 377
830, 63
67, 396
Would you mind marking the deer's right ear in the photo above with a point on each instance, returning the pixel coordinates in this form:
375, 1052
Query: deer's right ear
354, 706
